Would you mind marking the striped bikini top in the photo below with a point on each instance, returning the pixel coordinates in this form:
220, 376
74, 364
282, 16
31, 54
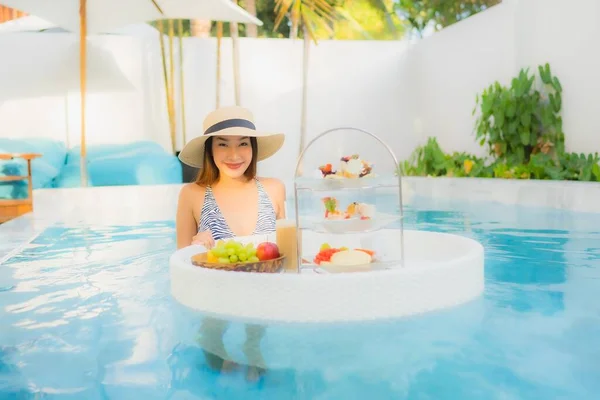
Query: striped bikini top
212, 219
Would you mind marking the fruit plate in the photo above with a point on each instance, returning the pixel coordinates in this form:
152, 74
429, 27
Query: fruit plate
347, 260
355, 224
272, 266
339, 269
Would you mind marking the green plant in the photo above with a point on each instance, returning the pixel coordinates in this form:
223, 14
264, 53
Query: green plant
431, 160
522, 128
580, 167
518, 121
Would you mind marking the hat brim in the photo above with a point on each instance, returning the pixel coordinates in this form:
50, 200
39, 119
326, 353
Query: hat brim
268, 144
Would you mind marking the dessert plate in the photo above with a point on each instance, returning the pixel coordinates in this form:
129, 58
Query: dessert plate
378, 221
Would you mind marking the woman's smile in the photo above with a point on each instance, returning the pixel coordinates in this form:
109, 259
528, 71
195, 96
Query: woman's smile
233, 165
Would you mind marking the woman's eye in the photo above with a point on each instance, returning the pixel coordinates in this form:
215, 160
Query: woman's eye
244, 144
222, 144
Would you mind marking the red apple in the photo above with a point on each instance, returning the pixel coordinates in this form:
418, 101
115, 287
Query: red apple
267, 251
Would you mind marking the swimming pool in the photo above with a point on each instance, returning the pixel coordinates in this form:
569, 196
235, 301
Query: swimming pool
86, 313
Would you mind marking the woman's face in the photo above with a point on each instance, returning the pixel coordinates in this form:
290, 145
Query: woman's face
232, 154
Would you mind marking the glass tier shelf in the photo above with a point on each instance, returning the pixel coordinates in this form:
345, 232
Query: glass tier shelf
329, 184
344, 199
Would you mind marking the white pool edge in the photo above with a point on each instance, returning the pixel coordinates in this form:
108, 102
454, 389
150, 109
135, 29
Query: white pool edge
563, 195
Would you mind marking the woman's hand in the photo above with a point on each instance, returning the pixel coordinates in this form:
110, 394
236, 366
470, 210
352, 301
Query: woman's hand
204, 239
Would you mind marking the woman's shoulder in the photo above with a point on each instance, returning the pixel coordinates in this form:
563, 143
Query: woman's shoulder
274, 186
191, 191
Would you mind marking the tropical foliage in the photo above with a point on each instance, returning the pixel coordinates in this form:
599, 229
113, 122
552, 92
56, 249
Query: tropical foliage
354, 19
438, 14
521, 128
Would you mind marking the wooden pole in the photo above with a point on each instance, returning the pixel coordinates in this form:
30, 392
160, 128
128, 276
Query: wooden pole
172, 86
219, 40
82, 83
234, 33
166, 79
304, 106
181, 85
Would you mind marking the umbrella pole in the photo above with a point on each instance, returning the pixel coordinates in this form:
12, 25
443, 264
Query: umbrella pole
219, 40
166, 78
82, 84
181, 86
234, 33
172, 86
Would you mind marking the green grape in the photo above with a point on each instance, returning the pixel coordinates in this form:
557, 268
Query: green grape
233, 258
223, 260
230, 251
219, 251
230, 244
249, 247
243, 256
253, 259
220, 243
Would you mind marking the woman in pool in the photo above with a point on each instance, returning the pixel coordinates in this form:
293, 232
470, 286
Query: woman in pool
228, 200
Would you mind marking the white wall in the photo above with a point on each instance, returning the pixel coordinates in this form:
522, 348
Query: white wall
566, 34
455, 64
463, 59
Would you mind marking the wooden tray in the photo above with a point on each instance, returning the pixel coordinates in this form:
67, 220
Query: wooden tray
269, 266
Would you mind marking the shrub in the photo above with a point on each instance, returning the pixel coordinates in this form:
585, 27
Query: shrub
521, 128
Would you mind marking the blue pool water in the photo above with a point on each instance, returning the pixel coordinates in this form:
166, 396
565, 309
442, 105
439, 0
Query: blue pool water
86, 313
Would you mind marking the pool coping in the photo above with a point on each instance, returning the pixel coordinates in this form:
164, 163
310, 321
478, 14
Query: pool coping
564, 195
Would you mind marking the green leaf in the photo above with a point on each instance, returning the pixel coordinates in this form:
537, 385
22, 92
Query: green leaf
526, 120
520, 154
596, 171
525, 134
545, 73
499, 118
486, 105
556, 85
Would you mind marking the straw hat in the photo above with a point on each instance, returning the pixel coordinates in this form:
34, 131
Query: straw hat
230, 121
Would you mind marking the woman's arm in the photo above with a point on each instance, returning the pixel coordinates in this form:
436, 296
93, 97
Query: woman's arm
185, 222
276, 191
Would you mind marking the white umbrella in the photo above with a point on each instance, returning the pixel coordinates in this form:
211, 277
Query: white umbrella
25, 24
45, 71
107, 15
96, 16
31, 23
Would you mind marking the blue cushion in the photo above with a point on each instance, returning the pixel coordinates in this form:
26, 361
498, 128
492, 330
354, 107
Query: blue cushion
140, 169
104, 150
45, 169
13, 189
138, 163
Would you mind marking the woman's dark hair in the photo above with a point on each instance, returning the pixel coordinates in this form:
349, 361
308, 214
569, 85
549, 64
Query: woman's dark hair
209, 173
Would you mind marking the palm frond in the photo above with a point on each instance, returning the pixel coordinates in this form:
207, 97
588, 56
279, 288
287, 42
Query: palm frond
282, 7
344, 14
311, 20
